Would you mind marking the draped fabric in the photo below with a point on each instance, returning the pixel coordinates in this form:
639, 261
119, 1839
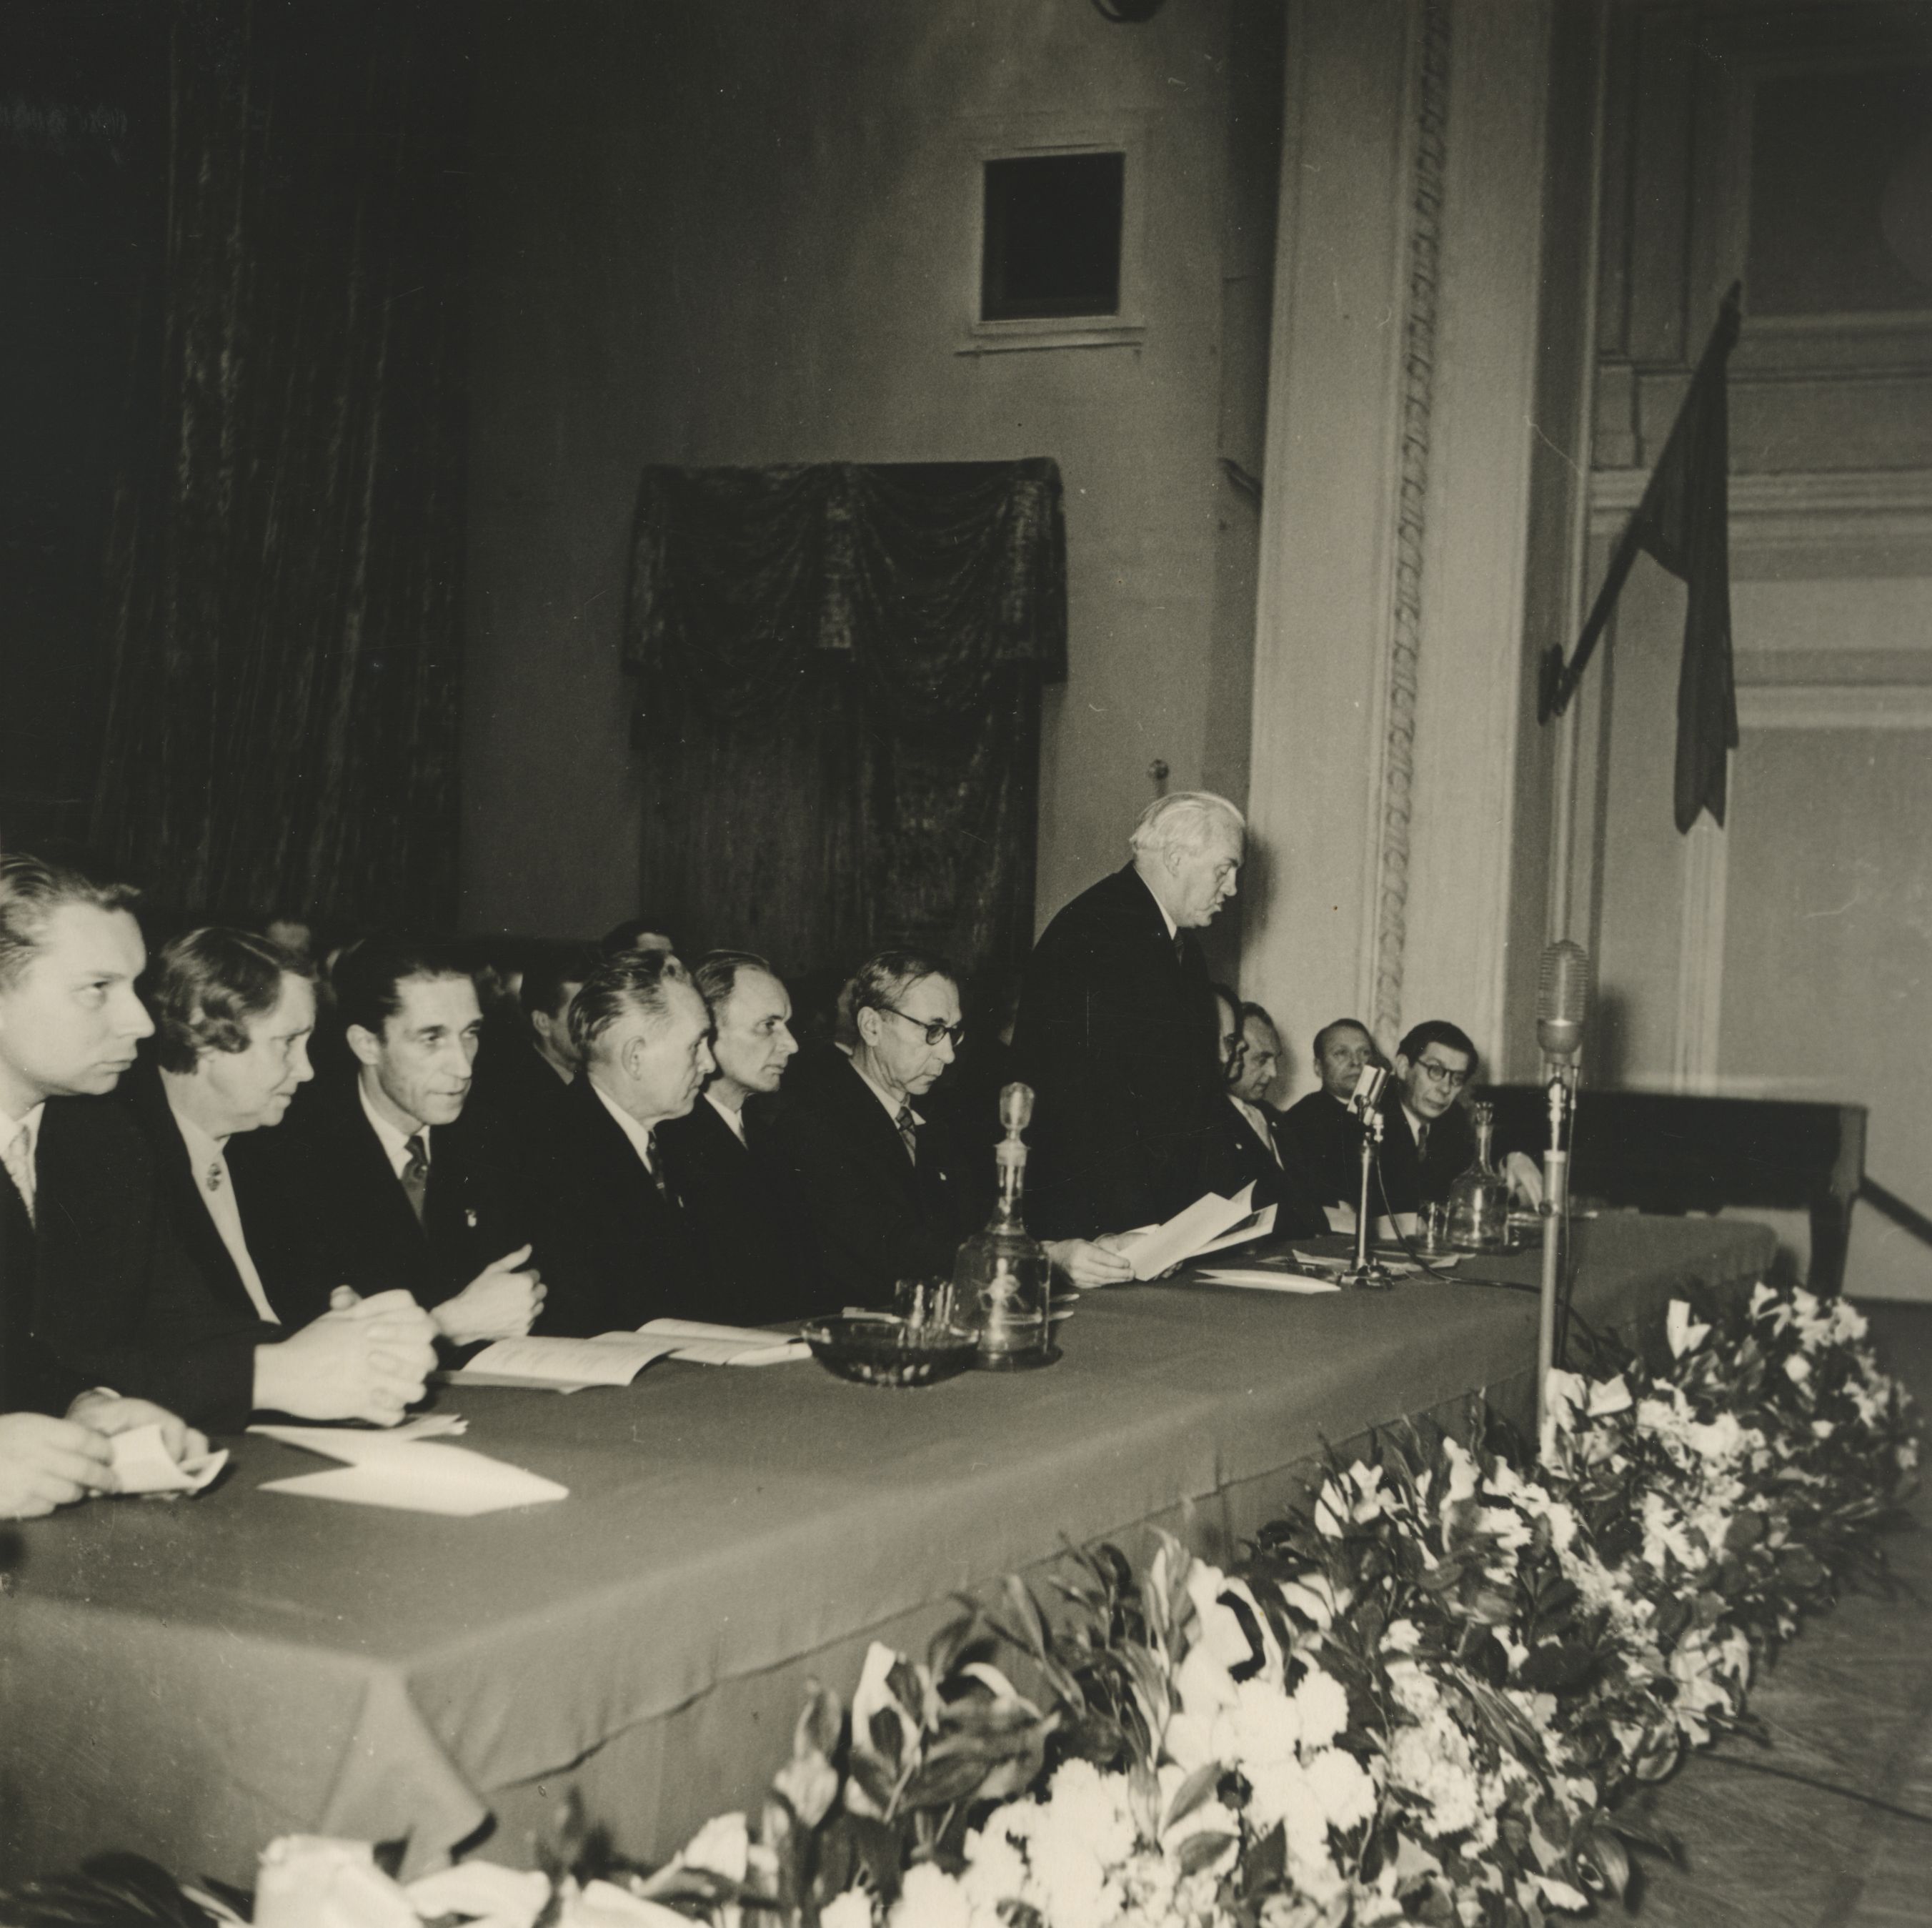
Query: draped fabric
287, 562
838, 670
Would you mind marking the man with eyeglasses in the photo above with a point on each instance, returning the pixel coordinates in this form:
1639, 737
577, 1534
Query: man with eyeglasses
1428, 1141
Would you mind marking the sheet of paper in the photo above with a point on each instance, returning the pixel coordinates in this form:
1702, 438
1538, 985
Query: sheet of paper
612, 1358
420, 1479
142, 1464
698, 1344
1266, 1281
1189, 1231
1258, 1226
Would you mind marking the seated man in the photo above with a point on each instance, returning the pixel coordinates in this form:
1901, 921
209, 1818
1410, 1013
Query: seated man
881, 1184
1241, 1150
736, 1194
1260, 1066
527, 1063
618, 1241
95, 1291
233, 1015
378, 1180
1317, 1135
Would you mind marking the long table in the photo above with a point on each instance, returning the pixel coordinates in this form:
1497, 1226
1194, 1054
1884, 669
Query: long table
188, 1679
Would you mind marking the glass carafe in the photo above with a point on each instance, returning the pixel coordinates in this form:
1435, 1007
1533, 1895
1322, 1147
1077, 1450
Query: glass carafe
1003, 1277
1479, 1200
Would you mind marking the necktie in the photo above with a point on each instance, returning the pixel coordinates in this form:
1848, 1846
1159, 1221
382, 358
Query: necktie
20, 1169
908, 1129
1421, 1142
1179, 949
415, 1174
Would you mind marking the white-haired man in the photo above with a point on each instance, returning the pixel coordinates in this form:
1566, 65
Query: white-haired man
1117, 1029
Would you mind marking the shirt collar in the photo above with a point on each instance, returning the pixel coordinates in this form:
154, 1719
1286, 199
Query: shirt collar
10, 1127
891, 1104
640, 1136
395, 1143
735, 1120
1418, 1128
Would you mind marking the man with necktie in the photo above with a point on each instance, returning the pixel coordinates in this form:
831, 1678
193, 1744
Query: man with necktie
1116, 1031
619, 1247
378, 1179
1428, 1141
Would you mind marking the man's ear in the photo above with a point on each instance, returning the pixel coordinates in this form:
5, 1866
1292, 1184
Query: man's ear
1399, 1068
867, 1034
364, 1042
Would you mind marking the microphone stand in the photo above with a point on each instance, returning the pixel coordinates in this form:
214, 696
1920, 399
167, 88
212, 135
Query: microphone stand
1365, 1274
1556, 1216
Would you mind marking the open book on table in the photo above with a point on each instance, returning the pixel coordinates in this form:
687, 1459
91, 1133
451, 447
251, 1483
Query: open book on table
616, 1358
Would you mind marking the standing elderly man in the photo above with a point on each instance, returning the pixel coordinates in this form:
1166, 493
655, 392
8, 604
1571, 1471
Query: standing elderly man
1116, 1031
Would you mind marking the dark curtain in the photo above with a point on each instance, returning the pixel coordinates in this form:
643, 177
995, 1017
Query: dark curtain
287, 564
838, 673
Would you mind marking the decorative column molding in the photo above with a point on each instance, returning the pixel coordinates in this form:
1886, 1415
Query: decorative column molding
1428, 167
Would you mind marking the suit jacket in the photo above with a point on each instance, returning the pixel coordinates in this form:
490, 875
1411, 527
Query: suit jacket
614, 1251
1323, 1145
178, 1186
1116, 1035
1410, 1182
333, 1212
97, 1290
1236, 1157
739, 1205
871, 1215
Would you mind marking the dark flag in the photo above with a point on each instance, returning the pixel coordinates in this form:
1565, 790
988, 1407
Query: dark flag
1684, 521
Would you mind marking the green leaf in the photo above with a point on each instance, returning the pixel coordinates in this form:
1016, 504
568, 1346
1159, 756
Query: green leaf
887, 1734
1198, 1850
939, 1782
1191, 1793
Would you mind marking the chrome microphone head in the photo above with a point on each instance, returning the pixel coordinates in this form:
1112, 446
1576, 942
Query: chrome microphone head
1562, 999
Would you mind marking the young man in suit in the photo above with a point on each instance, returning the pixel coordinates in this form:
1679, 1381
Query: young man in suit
234, 1014
735, 1192
93, 1294
1428, 1141
1116, 1028
378, 1179
618, 1242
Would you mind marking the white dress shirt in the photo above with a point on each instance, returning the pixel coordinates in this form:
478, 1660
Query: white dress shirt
395, 1143
207, 1158
20, 1166
1257, 1122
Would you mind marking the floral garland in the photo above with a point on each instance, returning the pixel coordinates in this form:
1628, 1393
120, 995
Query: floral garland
1430, 1694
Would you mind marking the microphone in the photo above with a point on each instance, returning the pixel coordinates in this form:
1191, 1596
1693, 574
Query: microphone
1368, 1090
1562, 1000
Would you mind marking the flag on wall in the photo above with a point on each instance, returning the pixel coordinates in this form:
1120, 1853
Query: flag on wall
1684, 521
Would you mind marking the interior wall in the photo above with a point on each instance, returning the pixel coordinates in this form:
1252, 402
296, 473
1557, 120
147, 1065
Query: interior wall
745, 233
1787, 955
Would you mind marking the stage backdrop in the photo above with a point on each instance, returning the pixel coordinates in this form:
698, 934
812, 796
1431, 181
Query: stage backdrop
286, 571
838, 673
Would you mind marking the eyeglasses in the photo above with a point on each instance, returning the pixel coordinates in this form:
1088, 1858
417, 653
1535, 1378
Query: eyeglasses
935, 1028
1439, 1073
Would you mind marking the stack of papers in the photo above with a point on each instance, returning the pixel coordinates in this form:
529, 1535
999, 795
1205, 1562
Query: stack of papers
1261, 1279
1210, 1224
691, 1339
401, 1469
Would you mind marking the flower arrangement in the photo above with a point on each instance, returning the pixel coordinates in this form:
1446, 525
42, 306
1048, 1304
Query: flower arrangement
1429, 1694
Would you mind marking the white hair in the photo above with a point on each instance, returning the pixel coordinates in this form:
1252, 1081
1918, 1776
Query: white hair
1185, 820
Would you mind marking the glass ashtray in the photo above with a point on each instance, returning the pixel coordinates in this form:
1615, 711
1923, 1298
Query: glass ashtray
881, 1351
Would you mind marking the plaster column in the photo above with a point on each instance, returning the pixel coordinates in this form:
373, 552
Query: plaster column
1389, 646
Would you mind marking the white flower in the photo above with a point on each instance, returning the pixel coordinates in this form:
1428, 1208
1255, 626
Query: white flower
852, 1909
1321, 1702
722, 1845
930, 1898
1797, 1369
1401, 1636
1560, 1894
1608, 1396
1685, 1333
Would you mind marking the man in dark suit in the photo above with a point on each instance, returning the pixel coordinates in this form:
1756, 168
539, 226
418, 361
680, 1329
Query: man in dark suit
234, 1014
93, 1294
1428, 1141
1241, 1149
879, 1181
1116, 1029
736, 1194
379, 1179
619, 1248
1318, 1136
527, 1063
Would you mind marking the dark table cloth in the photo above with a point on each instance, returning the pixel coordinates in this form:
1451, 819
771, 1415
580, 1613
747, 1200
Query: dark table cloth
189, 1678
